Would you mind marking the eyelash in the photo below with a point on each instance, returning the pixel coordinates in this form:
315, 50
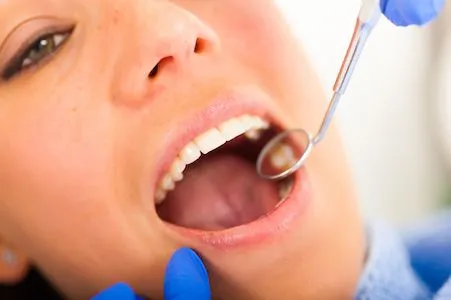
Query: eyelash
24, 59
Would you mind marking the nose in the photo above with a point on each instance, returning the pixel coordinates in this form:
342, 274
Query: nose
165, 45
176, 39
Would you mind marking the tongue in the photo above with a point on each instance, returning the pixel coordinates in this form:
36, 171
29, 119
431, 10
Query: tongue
219, 191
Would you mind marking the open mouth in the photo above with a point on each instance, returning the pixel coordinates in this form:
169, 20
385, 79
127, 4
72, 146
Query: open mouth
213, 185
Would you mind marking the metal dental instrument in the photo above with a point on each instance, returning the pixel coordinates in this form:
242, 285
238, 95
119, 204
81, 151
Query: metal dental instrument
278, 159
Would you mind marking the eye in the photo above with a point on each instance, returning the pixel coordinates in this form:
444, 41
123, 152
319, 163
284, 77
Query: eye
35, 52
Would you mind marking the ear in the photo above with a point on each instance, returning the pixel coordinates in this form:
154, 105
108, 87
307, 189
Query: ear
14, 265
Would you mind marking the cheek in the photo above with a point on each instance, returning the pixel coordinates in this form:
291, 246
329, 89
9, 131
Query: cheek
262, 26
275, 56
55, 166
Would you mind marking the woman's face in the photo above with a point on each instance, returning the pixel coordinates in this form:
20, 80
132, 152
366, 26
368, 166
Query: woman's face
101, 100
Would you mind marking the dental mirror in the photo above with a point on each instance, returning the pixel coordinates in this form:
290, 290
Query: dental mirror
284, 154
288, 151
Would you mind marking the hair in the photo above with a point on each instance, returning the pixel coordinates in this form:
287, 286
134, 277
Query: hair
34, 286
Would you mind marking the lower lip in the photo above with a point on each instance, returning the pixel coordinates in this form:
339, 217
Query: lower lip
282, 219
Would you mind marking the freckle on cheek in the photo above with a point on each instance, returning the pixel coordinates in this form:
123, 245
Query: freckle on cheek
116, 16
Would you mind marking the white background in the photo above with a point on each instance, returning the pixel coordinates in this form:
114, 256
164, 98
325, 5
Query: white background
388, 117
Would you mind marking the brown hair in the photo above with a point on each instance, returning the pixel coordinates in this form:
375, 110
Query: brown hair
34, 286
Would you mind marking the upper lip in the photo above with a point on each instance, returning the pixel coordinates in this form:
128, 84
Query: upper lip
228, 104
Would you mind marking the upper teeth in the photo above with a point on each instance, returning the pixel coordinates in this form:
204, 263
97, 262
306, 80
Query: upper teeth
205, 143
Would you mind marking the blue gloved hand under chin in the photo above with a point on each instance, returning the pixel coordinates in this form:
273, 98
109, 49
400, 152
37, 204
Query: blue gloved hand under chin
186, 278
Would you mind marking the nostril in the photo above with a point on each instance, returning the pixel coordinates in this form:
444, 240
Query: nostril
154, 71
200, 46
158, 67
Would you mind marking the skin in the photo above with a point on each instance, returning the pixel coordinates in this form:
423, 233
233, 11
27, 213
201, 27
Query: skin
81, 133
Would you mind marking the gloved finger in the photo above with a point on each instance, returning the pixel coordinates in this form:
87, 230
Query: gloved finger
411, 12
186, 277
118, 291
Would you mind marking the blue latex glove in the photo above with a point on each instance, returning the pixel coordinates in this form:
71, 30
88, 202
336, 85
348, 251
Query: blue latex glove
411, 12
186, 279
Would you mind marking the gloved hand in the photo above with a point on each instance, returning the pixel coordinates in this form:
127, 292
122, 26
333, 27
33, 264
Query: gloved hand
186, 279
411, 12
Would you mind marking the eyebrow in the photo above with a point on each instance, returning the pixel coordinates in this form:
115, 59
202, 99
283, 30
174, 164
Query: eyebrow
3, 15
9, 11
15, 12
